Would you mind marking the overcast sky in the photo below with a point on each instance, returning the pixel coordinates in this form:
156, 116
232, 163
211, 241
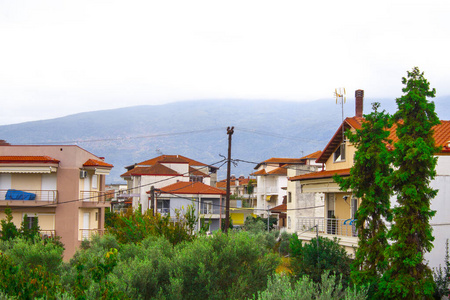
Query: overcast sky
63, 57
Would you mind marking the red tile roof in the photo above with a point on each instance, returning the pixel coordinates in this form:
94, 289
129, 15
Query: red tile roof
155, 170
281, 161
96, 163
278, 171
259, 173
314, 155
171, 159
28, 159
354, 122
280, 208
321, 174
192, 188
194, 171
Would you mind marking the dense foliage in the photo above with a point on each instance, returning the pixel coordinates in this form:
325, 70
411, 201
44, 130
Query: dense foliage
413, 158
369, 181
317, 256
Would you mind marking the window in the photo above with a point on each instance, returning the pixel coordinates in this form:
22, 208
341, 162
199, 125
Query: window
207, 207
195, 178
289, 223
289, 197
94, 181
339, 154
163, 206
32, 221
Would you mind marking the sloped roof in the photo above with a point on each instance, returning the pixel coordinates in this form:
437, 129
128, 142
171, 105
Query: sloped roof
172, 159
314, 155
191, 188
96, 163
155, 170
278, 171
281, 161
336, 140
259, 173
321, 174
279, 209
28, 159
194, 171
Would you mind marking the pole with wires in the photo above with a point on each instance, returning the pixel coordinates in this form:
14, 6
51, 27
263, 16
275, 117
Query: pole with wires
230, 131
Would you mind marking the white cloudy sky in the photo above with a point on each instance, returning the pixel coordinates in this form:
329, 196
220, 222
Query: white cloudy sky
62, 57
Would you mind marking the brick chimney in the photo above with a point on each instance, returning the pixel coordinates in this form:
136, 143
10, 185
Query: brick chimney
359, 103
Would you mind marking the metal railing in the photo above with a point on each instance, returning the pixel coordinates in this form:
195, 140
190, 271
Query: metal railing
205, 210
47, 233
338, 227
33, 195
87, 234
94, 196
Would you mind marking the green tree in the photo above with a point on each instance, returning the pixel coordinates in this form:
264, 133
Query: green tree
27, 231
9, 230
408, 275
369, 181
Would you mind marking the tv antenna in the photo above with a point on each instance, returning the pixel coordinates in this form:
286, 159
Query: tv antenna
340, 99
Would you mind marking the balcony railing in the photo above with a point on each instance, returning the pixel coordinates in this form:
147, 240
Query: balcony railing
267, 190
29, 195
87, 234
338, 227
94, 196
204, 210
47, 233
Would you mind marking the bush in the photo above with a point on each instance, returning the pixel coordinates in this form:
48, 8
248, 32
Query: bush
317, 256
279, 287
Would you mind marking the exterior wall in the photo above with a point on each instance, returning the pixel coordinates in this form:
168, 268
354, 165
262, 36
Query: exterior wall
347, 163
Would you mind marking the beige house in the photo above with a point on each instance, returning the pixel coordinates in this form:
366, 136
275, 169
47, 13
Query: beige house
63, 187
322, 206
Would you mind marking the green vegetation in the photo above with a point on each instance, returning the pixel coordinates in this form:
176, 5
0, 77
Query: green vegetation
369, 181
413, 158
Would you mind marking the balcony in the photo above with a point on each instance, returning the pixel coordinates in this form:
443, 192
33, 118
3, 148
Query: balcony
89, 198
271, 190
87, 234
334, 227
12, 197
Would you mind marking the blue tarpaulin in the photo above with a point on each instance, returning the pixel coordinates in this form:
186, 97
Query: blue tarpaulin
19, 195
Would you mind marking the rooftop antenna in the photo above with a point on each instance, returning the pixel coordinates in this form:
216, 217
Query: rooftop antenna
340, 99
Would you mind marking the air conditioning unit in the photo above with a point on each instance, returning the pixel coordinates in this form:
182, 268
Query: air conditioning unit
83, 174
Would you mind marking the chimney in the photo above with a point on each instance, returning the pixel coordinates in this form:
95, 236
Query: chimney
359, 103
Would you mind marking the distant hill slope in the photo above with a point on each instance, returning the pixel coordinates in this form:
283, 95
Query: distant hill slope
197, 129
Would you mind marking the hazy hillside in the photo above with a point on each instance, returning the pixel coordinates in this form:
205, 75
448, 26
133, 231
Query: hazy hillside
197, 129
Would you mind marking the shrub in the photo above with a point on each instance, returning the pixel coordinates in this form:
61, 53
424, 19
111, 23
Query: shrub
317, 256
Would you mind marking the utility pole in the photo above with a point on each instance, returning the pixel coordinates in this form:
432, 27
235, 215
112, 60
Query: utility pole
230, 132
152, 197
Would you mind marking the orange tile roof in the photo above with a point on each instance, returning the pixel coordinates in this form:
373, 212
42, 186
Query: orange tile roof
278, 171
321, 174
314, 155
221, 184
280, 208
259, 173
155, 170
173, 159
196, 172
191, 188
355, 122
441, 136
28, 159
96, 163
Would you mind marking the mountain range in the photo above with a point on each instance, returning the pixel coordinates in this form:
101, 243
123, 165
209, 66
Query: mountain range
198, 130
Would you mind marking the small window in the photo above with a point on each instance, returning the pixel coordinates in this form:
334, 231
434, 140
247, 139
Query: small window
289, 197
94, 181
339, 154
289, 223
163, 206
32, 221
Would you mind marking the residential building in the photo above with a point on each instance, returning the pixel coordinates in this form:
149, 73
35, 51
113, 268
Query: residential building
208, 201
162, 171
271, 178
333, 211
62, 187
